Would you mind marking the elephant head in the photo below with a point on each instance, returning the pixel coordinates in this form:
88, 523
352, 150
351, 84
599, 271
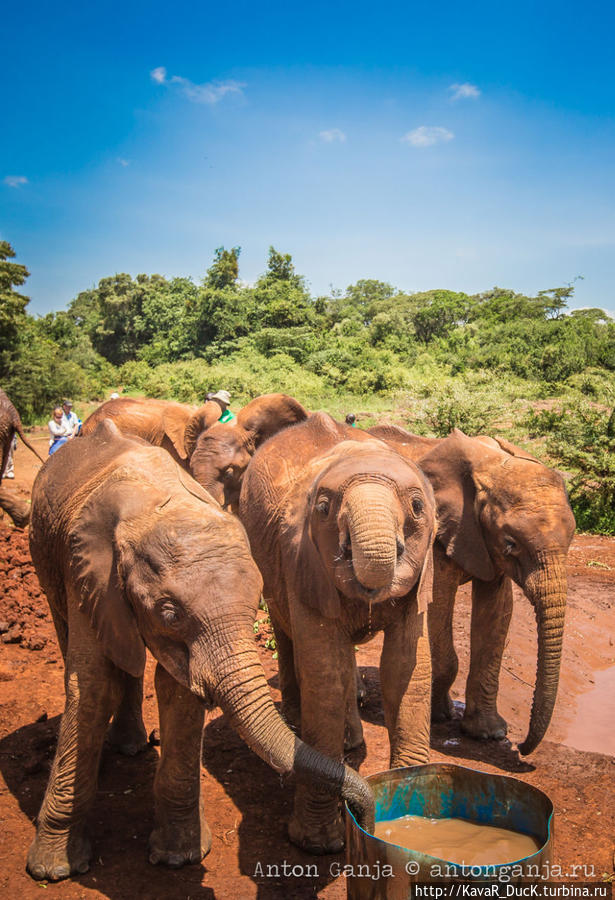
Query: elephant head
368, 528
500, 511
223, 451
148, 557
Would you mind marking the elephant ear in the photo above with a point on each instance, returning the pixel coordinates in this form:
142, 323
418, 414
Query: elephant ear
205, 416
174, 428
311, 581
451, 468
266, 415
515, 451
95, 559
424, 591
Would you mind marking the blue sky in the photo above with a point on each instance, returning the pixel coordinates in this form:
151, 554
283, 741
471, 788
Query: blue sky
459, 146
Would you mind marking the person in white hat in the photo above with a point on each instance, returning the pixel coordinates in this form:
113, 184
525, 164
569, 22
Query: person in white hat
223, 398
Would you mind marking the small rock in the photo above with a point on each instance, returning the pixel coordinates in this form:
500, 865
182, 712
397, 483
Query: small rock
154, 738
35, 643
12, 636
4, 626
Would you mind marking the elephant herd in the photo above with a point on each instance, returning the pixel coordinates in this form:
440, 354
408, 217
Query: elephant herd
160, 527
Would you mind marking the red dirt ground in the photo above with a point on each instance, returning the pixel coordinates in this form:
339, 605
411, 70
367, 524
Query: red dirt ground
247, 805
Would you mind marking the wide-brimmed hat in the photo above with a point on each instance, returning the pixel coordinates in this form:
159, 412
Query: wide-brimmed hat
224, 396
66, 402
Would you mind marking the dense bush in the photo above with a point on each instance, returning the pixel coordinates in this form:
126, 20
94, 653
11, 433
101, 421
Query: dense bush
582, 440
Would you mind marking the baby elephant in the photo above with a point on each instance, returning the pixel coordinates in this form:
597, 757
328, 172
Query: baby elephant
341, 526
132, 553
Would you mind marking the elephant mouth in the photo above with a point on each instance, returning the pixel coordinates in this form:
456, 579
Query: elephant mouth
349, 584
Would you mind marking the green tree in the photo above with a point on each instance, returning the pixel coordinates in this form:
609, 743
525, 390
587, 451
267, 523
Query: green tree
438, 312
224, 271
280, 268
12, 306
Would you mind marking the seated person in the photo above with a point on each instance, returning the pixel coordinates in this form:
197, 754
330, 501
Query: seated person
223, 398
58, 429
70, 419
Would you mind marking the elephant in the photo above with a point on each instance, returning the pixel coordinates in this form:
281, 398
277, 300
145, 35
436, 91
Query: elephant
223, 451
215, 453
15, 506
133, 554
502, 517
10, 422
163, 423
341, 528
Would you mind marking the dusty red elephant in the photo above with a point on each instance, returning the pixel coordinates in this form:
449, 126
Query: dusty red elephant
215, 453
10, 424
341, 527
133, 553
502, 516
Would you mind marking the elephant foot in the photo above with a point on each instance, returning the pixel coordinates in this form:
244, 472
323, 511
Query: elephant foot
54, 857
441, 707
484, 726
128, 737
177, 845
318, 840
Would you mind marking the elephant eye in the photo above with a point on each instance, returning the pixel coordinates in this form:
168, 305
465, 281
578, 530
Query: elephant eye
323, 506
228, 473
417, 506
169, 612
510, 546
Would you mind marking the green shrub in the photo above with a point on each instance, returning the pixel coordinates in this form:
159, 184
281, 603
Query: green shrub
582, 439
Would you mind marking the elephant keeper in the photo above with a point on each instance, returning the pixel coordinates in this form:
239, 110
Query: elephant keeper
223, 398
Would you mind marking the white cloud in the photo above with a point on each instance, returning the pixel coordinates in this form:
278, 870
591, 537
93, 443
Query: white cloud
427, 136
159, 75
123, 162
332, 135
465, 91
15, 181
209, 93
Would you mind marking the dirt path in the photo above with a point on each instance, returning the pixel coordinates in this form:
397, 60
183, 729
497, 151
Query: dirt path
247, 805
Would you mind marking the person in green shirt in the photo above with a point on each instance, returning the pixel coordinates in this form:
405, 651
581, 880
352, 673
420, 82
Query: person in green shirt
351, 420
223, 398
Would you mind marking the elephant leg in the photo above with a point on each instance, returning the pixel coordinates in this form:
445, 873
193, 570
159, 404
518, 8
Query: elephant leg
440, 619
353, 736
181, 834
289, 686
405, 676
127, 732
326, 673
491, 612
93, 690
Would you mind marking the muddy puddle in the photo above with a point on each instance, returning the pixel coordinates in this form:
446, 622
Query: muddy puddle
593, 728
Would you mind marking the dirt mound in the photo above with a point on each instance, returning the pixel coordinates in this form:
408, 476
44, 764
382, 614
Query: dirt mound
24, 614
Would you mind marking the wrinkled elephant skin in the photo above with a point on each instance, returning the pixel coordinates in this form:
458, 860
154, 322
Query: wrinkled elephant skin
132, 553
502, 517
341, 527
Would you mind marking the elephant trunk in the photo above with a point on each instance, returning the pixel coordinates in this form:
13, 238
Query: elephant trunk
368, 531
238, 684
546, 589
